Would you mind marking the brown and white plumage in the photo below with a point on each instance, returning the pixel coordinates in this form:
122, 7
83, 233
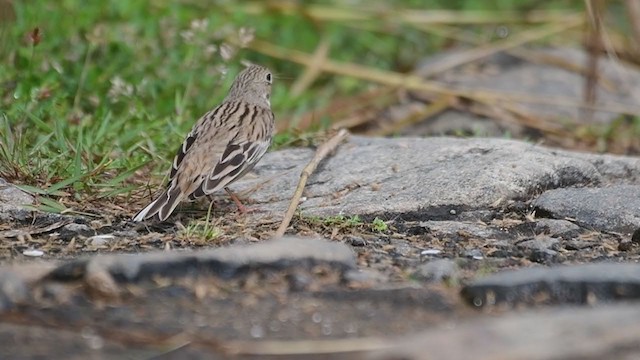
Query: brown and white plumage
223, 145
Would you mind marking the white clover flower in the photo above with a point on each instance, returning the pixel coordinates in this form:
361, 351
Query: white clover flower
227, 51
199, 25
246, 35
119, 88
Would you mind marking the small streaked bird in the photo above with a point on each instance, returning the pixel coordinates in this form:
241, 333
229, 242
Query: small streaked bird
223, 145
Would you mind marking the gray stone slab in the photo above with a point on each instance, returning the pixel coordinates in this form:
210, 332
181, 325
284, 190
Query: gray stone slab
12, 201
557, 228
455, 228
279, 253
505, 73
13, 290
438, 270
40, 342
609, 332
614, 208
11, 196
426, 178
581, 284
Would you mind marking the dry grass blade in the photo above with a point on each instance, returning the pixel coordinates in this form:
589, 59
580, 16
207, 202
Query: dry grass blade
633, 9
352, 111
594, 47
313, 70
408, 16
538, 57
320, 154
506, 113
532, 56
435, 107
306, 347
414, 82
521, 38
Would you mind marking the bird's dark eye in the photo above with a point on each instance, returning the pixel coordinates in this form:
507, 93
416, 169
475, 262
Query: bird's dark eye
269, 78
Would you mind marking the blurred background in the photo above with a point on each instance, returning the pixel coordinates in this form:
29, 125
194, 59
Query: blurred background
96, 96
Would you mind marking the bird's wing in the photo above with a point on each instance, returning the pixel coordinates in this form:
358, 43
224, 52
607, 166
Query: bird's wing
237, 149
238, 158
182, 151
166, 202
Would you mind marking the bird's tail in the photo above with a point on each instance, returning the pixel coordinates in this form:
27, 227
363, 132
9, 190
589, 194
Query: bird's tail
163, 206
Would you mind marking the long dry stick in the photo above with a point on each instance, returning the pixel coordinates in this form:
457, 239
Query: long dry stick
510, 42
440, 104
313, 70
403, 16
301, 348
531, 56
414, 82
321, 153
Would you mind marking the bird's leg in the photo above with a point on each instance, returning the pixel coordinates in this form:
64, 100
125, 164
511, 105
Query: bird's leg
234, 197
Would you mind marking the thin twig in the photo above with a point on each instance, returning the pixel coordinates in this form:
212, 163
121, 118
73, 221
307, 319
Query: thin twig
320, 154
633, 9
439, 104
313, 70
594, 47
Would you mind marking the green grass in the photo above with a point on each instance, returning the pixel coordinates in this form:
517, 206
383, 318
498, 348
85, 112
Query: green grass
378, 225
200, 230
345, 223
94, 104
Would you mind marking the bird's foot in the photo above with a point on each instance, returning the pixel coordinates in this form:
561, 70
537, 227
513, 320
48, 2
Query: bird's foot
241, 208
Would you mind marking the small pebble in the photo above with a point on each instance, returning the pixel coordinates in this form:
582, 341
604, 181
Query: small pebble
33, 253
437, 270
430, 252
356, 241
474, 254
257, 331
100, 240
544, 256
625, 245
81, 229
635, 238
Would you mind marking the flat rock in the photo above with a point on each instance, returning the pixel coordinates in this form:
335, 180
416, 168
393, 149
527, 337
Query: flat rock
613, 208
12, 200
579, 284
438, 270
462, 229
13, 290
539, 243
41, 342
509, 74
608, 332
427, 178
166, 319
225, 262
72, 230
10, 195
557, 228
286, 289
